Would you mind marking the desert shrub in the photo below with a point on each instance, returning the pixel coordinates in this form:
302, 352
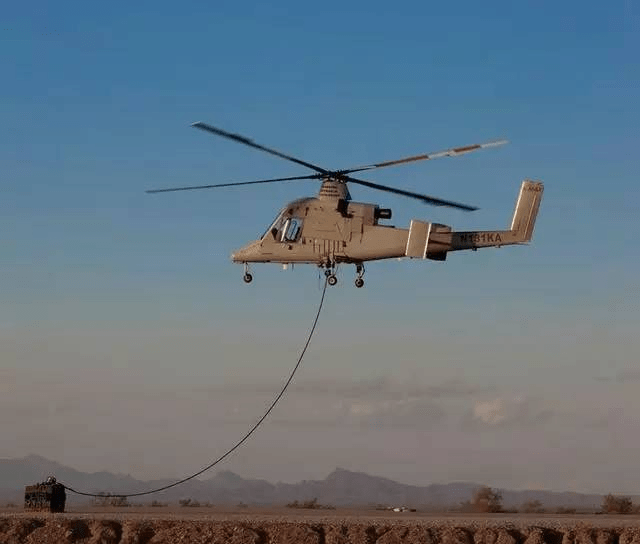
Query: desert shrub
107, 499
119, 502
311, 504
532, 507
188, 503
159, 504
564, 510
486, 500
616, 505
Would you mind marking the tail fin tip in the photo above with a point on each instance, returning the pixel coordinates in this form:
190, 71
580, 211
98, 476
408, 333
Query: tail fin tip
526, 211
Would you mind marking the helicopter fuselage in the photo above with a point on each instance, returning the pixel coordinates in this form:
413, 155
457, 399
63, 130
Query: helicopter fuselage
313, 230
327, 231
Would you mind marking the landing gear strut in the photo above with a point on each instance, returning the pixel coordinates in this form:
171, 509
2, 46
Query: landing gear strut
330, 273
360, 271
248, 278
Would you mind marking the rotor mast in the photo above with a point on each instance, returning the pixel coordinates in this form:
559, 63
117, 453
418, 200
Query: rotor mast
334, 189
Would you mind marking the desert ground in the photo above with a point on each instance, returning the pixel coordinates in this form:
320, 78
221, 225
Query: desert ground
147, 525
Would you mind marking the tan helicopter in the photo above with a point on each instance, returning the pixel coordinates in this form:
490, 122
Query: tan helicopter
330, 229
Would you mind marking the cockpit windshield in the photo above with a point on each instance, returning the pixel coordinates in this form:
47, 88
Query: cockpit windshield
277, 224
285, 229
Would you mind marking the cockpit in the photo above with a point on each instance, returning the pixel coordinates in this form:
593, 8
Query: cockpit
285, 228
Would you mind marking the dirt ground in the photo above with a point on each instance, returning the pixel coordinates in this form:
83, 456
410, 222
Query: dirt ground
147, 525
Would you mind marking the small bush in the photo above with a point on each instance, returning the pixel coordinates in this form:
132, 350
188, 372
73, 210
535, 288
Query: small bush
310, 505
194, 504
616, 505
532, 507
107, 499
565, 510
486, 500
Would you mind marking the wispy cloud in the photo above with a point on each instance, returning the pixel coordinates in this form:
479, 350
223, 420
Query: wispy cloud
628, 375
378, 402
515, 411
408, 412
622, 376
374, 388
491, 412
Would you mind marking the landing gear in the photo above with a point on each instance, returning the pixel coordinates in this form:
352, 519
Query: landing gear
330, 272
360, 271
248, 278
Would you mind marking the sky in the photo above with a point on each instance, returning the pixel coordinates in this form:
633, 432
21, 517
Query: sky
128, 341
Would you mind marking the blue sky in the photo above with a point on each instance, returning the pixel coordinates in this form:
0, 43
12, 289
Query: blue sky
117, 303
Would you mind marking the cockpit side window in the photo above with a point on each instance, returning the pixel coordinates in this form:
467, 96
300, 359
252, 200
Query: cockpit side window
291, 230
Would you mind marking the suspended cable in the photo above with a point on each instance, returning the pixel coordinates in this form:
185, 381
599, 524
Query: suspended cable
237, 444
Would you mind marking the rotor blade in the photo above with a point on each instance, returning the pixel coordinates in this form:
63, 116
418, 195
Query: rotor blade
453, 152
424, 198
312, 176
251, 143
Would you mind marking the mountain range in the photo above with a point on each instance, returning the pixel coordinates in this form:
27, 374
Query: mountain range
340, 488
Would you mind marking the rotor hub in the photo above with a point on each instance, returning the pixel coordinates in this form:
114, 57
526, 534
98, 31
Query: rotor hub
333, 189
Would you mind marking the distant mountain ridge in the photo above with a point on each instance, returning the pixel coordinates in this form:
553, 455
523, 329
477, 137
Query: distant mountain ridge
340, 488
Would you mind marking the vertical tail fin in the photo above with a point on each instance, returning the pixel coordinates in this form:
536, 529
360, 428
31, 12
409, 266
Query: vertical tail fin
524, 216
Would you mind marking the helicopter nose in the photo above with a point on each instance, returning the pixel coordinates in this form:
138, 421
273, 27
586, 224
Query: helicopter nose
246, 253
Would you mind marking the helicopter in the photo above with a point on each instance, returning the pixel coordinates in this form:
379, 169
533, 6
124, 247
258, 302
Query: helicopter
331, 229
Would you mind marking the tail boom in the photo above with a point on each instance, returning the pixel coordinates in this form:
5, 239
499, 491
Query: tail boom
434, 241
522, 224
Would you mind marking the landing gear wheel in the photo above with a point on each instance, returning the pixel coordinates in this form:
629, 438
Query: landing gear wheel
248, 278
360, 272
327, 272
331, 279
